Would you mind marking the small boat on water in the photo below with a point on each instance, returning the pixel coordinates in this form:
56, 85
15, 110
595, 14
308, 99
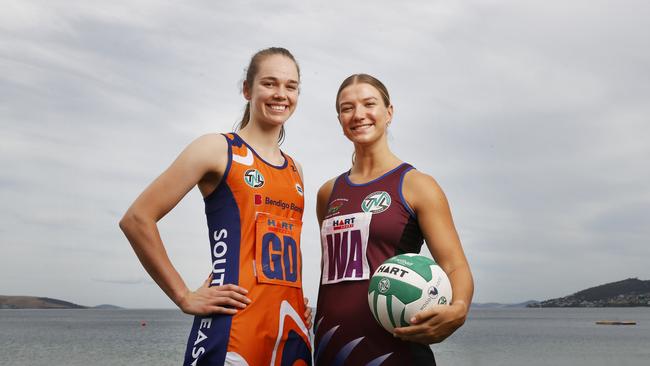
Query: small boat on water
616, 322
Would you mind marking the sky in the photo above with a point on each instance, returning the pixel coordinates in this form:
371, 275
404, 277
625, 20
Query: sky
533, 116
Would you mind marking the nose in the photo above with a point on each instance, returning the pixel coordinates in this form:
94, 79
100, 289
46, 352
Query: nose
358, 114
280, 93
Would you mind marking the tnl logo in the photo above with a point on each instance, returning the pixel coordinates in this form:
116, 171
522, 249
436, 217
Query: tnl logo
254, 178
383, 285
376, 202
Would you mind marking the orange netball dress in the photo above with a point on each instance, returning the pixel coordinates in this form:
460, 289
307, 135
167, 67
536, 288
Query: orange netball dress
254, 220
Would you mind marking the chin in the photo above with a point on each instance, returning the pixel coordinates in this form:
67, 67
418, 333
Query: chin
276, 121
360, 139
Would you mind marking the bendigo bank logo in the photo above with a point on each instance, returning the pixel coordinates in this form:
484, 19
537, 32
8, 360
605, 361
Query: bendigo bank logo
376, 202
278, 203
254, 178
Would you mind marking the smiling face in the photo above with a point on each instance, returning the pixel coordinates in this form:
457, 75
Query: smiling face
363, 113
274, 91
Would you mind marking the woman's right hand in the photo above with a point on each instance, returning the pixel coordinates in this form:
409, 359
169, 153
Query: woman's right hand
208, 300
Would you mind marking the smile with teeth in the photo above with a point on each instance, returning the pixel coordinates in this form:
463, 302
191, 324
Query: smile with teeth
278, 107
361, 127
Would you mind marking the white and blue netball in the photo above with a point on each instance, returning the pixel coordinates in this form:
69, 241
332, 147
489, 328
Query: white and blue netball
405, 285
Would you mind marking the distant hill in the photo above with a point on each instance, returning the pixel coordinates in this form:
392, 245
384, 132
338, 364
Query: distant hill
496, 305
33, 302
107, 307
626, 293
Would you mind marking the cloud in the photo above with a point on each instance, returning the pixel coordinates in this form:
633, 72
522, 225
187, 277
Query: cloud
532, 117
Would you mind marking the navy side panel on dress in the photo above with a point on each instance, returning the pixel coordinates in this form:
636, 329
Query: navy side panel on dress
208, 339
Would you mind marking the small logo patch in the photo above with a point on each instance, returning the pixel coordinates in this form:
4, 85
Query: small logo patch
336, 205
299, 189
258, 199
433, 292
254, 178
376, 202
383, 285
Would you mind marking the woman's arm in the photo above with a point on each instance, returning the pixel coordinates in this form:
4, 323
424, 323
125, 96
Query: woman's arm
322, 199
207, 156
430, 205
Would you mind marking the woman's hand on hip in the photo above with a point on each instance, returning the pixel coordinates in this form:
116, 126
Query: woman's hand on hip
207, 300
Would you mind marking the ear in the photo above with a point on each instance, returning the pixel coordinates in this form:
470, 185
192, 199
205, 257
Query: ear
246, 90
389, 109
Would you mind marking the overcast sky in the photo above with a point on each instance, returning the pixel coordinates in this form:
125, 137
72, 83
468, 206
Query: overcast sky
534, 117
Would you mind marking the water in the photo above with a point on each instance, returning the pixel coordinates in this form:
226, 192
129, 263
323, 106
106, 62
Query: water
505, 337
534, 337
92, 337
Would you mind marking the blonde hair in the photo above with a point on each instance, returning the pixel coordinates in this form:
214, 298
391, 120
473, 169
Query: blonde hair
366, 79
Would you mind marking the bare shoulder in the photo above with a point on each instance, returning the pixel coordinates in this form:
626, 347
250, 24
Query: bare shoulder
209, 151
325, 191
210, 144
421, 189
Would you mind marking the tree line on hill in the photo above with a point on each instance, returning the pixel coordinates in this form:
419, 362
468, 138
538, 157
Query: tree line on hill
626, 293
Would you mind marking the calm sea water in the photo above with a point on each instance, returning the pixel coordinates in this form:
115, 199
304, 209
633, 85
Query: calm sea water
490, 337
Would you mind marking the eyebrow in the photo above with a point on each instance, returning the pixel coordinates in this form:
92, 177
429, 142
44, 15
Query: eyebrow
364, 100
273, 78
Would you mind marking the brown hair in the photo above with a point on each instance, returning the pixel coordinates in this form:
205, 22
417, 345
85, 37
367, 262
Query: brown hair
367, 79
251, 73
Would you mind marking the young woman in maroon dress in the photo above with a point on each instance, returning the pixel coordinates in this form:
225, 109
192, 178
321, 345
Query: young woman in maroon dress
381, 207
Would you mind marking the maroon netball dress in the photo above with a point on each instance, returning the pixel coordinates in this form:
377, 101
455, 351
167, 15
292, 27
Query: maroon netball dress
365, 224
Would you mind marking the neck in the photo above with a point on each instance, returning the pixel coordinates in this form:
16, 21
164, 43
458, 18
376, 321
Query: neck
263, 140
373, 160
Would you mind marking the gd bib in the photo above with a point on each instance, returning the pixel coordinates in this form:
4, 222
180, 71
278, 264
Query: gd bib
277, 250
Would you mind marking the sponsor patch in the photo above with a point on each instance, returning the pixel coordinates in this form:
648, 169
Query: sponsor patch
282, 204
254, 178
376, 202
384, 285
299, 189
335, 206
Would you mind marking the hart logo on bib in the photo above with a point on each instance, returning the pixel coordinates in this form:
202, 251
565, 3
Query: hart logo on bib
376, 202
345, 240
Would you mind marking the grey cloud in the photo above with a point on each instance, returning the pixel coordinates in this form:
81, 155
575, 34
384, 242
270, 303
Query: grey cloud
531, 115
